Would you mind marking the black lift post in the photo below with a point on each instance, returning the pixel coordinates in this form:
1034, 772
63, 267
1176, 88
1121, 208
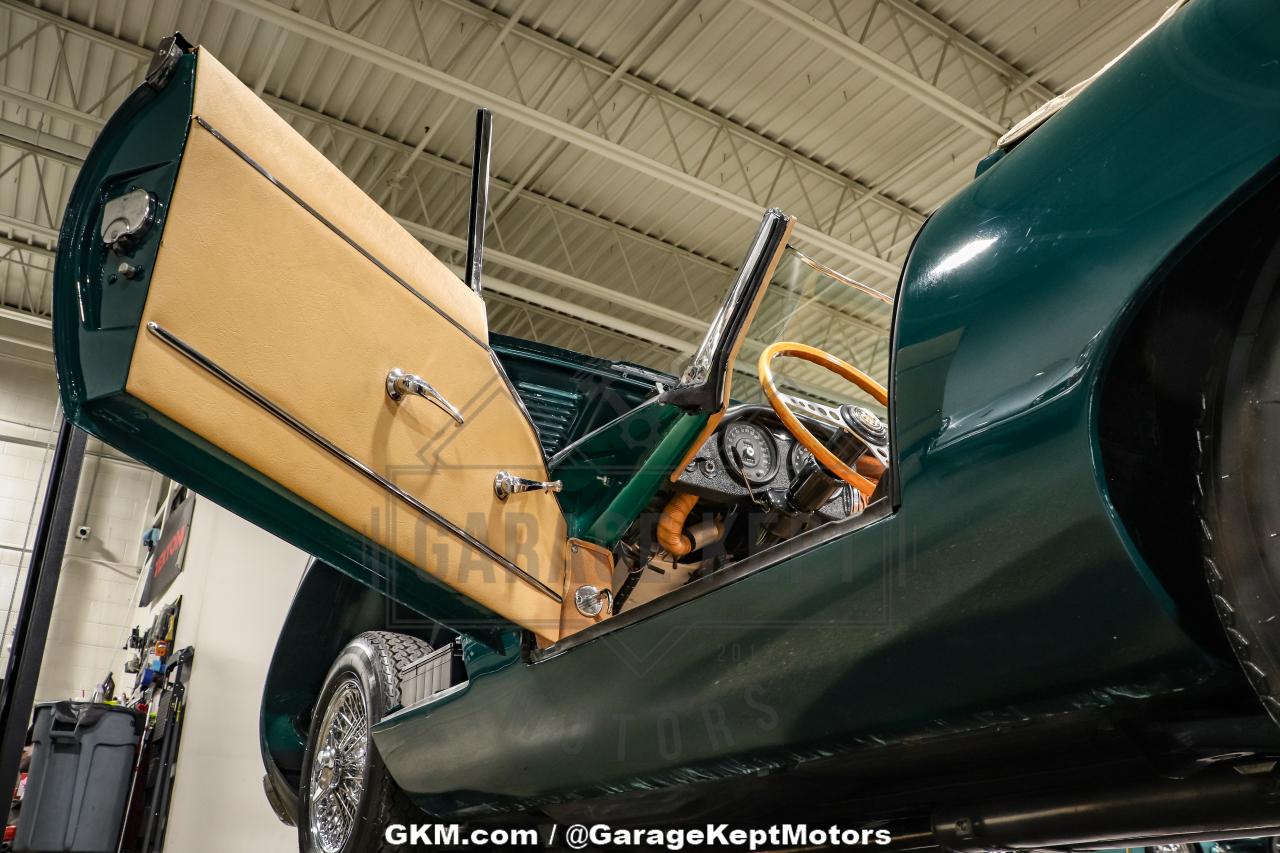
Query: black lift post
31, 630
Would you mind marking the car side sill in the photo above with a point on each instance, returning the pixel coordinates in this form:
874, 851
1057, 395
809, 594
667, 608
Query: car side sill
882, 508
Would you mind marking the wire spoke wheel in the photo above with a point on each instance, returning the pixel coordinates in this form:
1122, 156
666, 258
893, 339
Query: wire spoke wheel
340, 767
347, 797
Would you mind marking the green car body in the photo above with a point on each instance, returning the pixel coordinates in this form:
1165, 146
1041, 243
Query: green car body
1021, 597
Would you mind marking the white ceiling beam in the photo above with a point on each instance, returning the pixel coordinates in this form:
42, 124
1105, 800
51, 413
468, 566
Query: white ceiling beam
667, 315
595, 101
50, 108
404, 66
497, 285
41, 232
291, 109
426, 137
521, 292
73, 153
26, 247
79, 152
13, 315
37, 142
1018, 80
577, 312
864, 57
43, 144
42, 351
587, 288
620, 74
25, 336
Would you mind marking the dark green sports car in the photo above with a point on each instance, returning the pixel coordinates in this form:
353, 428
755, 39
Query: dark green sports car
1021, 592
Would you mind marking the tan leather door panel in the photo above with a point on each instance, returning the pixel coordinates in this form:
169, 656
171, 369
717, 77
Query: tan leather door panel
285, 275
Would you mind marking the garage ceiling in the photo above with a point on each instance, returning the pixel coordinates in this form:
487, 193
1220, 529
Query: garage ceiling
635, 143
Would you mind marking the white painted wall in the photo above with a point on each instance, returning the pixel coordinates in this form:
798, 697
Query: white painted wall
28, 400
99, 574
237, 584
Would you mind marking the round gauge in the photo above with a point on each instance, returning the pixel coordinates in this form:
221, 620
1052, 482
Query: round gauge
756, 457
800, 457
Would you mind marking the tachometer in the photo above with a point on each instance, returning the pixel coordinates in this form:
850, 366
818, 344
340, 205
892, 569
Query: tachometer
750, 452
800, 457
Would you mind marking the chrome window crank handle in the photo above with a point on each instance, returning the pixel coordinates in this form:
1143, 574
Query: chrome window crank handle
400, 384
506, 484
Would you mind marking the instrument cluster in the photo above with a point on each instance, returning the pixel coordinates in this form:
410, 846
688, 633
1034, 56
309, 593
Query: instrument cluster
752, 457
753, 452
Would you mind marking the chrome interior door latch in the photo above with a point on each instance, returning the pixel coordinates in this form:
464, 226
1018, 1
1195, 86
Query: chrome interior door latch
506, 484
400, 384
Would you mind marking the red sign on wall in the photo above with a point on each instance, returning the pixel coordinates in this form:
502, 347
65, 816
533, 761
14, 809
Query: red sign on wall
171, 549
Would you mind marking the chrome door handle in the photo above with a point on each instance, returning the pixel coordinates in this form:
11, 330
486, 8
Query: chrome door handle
400, 383
506, 484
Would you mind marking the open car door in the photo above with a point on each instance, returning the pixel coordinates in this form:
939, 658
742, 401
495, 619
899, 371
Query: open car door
233, 311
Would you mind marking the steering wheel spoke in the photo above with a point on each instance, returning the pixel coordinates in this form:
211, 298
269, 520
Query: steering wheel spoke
819, 411
881, 454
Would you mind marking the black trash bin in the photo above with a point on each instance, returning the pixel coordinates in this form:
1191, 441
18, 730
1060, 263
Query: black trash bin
82, 761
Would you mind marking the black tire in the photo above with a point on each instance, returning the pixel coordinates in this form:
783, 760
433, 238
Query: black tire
370, 664
1239, 488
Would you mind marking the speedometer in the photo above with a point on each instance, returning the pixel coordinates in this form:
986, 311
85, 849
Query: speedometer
750, 452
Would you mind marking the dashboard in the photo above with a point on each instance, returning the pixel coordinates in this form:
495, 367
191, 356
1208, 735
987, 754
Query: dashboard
752, 457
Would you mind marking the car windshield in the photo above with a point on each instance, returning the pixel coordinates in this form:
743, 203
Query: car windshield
809, 303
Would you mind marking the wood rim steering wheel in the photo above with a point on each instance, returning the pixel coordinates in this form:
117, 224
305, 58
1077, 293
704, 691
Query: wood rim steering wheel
781, 405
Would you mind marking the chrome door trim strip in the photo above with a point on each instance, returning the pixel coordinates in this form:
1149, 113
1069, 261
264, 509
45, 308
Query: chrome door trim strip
360, 249
203, 361
524, 410
261, 170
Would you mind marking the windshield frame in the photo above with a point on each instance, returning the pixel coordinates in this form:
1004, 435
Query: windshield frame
703, 385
